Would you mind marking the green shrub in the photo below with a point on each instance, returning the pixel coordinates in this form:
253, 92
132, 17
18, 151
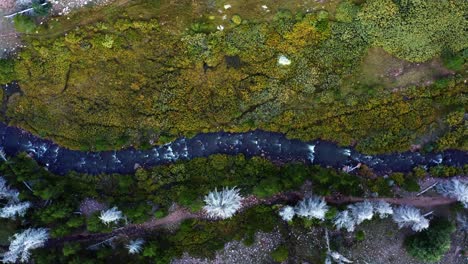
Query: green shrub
40, 9
236, 19
150, 250
430, 245
360, 235
280, 254
346, 11
160, 214
380, 186
24, 24
268, 187
398, 178
444, 171
419, 172
70, 249
411, 184
7, 71
453, 61
94, 224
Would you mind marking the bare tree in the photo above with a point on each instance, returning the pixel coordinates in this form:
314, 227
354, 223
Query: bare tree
6, 192
22, 243
333, 256
408, 216
344, 220
223, 204
111, 215
287, 213
456, 189
313, 207
361, 211
462, 220
14, 210
134, 246
383, 209
2, 154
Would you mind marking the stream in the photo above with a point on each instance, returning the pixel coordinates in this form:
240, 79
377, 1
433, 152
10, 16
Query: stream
272, 146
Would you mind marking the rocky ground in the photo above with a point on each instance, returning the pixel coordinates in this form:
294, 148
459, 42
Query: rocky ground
8, 36
63, 7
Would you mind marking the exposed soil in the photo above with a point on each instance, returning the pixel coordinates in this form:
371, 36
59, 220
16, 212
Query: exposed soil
379, 67
10, 39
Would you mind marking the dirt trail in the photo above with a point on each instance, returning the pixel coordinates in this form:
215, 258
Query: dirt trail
413, 201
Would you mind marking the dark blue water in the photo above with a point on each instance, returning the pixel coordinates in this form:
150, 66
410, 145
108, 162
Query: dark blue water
273, 146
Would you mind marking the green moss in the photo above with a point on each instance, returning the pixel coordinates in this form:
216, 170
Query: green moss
280, 254
360, 235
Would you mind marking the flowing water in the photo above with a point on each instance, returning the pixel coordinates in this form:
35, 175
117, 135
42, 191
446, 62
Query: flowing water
273, 146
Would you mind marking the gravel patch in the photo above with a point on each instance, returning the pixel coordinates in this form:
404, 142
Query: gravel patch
9, 39
64, 7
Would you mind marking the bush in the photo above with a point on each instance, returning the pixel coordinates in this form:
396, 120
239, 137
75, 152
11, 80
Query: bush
453, 61
70, 249
236, 19
380, 186
411, 184
413, 30
398, 178
280, 254
346, 11
7, 71
24, 24
360, 235
430, 245
40, 9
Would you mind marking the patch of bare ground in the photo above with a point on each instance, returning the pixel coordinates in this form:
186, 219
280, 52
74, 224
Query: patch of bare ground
9, 38
89, 206
379, 67
307, 247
